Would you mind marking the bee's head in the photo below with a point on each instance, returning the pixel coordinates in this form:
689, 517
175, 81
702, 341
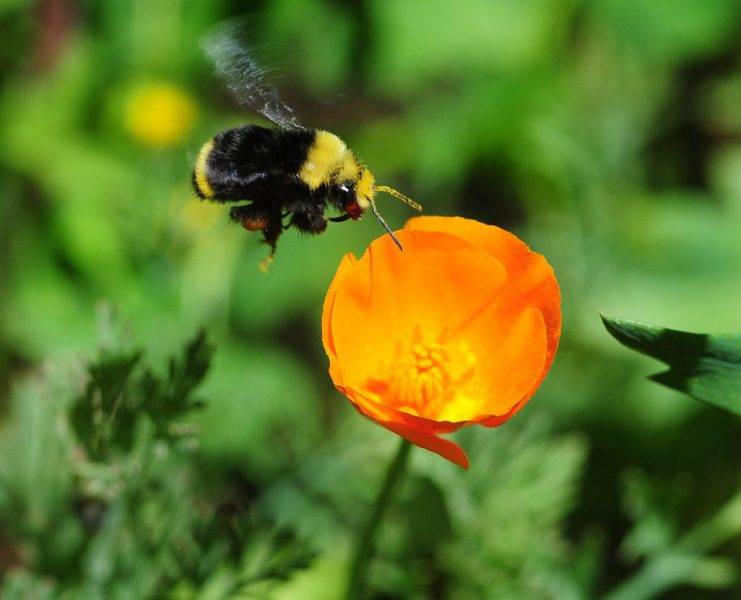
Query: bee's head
356, 193
365, 188
353, 193
365, 193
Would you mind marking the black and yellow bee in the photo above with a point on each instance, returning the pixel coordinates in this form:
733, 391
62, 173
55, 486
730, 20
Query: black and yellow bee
289, 173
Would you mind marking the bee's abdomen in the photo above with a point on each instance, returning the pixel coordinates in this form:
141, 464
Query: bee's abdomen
228, 166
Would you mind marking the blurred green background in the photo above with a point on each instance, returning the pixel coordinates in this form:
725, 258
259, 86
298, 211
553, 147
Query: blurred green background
606, 133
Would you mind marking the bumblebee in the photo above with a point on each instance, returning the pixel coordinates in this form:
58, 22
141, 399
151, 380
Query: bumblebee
289, 174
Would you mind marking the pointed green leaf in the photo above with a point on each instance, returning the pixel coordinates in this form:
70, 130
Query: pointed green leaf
704, 366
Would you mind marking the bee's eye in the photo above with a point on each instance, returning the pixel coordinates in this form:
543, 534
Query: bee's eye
344, 194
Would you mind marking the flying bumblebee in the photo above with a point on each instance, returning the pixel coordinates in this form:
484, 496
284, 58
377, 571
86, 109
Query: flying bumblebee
289, 174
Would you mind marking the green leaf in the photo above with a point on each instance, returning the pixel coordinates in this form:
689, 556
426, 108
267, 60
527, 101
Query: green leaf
119, 393
704, 366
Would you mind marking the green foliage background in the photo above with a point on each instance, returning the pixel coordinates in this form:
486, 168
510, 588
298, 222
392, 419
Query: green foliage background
606, 133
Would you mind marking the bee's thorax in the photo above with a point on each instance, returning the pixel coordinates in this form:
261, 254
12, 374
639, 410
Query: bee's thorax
328, 161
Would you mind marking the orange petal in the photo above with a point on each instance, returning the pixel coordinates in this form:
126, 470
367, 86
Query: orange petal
530, 279
367, 398
530, 282
418, 436
343, 270
499, 243
425, 284
511, 359
429, 441
430, 287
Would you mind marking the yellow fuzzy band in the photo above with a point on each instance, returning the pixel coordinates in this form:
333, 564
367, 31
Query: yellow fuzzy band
199, 171
325, 158
364, 189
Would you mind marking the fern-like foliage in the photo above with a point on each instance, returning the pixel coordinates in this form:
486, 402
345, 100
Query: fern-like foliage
103, 494
120, 393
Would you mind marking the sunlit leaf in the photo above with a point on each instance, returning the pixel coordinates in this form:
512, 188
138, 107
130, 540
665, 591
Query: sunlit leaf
704, 366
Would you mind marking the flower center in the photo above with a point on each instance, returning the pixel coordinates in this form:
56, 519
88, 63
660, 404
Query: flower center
425, 377
419, 380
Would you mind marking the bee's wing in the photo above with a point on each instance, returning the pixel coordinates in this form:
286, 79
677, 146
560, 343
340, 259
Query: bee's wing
227, 46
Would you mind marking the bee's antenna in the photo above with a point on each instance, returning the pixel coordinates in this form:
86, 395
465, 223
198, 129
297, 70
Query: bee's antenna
385, 225
397, 194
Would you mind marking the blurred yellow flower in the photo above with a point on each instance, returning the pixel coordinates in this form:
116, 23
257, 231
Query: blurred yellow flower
159, 114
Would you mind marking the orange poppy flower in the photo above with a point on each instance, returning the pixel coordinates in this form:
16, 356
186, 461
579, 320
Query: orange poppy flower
460, 328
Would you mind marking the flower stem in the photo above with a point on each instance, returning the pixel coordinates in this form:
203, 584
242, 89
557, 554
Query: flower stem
364, 549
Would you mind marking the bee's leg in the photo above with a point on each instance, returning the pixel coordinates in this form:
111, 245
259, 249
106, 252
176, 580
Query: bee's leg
260, 217
272, 232
341, 218
253, 217
309, 218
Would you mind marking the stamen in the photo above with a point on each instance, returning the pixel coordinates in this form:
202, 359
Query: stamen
426, 378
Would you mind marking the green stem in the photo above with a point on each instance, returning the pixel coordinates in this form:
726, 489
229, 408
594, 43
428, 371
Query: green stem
364, 549
683, 562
